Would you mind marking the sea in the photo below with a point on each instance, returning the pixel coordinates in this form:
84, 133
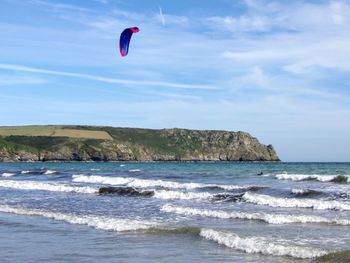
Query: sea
175, 212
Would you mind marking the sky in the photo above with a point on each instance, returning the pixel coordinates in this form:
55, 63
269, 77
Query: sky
276, 69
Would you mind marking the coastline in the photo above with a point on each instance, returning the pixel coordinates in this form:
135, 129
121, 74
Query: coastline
101, 144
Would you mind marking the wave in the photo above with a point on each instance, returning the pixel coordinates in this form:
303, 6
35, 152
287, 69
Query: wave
260, 245
187, 230
227, 197
335, 257
81, 178
8, 174
135, 182
34, 171
340, 196
98, 222
125, 191
261, 199
134, 170
305, 192
165, 194
51, 172
316, 177
232, 240
265, 217
32, 185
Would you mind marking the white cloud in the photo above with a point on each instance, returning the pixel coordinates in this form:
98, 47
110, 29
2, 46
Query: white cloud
241, 23
256, 76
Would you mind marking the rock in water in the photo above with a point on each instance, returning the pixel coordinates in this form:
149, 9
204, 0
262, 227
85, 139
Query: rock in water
127, 191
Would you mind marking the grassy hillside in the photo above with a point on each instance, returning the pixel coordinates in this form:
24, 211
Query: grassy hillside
53, 131
86, 143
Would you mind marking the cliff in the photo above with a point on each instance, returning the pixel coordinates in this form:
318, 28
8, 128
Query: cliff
87, 143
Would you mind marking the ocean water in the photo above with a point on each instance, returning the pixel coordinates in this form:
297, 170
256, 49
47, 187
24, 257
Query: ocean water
174, 212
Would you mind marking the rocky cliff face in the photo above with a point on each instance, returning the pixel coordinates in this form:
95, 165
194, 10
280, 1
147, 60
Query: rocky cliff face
140, 145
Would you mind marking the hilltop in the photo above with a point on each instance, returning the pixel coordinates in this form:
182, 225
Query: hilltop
94, 143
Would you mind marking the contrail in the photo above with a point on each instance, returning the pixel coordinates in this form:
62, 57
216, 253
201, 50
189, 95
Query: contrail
161, 16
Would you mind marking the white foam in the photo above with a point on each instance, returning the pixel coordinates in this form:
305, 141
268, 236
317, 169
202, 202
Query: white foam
25, 172
164, 194
101, 179
99, 222
54, 187
8, 174
51, 172
135, 182
134, 170
260, 245
300, 191
268, 218
302, 177
261, 199
122, 165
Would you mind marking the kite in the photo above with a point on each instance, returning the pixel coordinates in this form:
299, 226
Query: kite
124, 41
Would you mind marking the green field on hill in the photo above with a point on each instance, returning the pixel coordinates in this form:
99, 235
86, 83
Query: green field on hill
53, 131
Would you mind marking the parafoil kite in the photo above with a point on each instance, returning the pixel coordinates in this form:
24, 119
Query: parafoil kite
124, 41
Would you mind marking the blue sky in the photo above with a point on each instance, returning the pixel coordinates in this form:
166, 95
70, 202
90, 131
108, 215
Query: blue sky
276, 69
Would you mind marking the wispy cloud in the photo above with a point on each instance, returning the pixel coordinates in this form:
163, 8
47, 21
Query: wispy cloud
21, 68
102, 1
59, 6
7, 80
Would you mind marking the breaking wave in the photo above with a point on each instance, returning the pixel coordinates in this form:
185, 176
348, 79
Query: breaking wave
51, 172
98, 222
260, 245
32, 185
316, 177
305, 192
165, 194
8, 174
125, 191
268, 200
135, 182
232, 240
265, 217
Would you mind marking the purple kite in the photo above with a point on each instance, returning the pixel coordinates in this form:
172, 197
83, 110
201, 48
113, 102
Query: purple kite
124, 41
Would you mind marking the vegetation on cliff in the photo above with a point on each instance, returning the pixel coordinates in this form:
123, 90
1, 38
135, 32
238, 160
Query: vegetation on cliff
90, 143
